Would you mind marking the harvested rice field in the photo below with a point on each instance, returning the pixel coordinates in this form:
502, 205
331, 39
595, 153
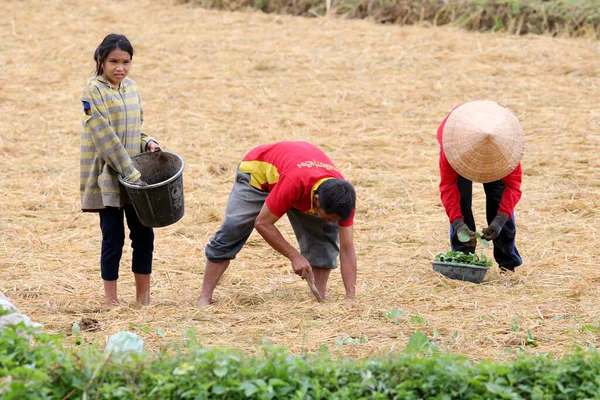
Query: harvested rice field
214, 85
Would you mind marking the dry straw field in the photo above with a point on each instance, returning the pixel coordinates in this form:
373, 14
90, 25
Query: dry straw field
214, 84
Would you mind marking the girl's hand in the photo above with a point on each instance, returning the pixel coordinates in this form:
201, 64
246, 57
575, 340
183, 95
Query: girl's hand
152, 146
139, 182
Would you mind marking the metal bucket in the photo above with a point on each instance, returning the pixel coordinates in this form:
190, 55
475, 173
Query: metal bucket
463, 272
160, 203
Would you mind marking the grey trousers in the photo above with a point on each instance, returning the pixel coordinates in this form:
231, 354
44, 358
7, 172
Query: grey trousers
318, 239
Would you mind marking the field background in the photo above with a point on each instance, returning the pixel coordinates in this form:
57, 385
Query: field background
215, 84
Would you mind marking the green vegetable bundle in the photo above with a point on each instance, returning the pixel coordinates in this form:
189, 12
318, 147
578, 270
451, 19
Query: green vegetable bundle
458, 257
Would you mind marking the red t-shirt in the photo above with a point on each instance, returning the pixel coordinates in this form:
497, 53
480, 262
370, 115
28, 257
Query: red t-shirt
291, 172
449, 189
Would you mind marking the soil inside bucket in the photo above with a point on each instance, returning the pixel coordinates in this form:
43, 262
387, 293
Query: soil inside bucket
157, 167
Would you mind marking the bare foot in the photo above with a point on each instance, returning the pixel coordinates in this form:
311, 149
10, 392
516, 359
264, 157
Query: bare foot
142, 289
110, 303
202, 303
143, 299
350, 302
139, 304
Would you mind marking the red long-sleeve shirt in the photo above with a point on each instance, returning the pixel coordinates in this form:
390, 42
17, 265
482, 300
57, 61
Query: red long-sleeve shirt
449, 190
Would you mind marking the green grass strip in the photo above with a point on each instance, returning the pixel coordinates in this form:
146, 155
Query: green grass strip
46, 370
575, 18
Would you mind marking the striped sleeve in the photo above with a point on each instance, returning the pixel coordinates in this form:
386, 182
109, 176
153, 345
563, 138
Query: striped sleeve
104, 138
144, 138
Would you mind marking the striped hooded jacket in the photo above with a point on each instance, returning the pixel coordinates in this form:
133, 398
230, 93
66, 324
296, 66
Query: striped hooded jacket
111, 135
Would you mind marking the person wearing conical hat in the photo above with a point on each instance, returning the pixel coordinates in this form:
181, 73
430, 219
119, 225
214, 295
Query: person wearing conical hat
483, 142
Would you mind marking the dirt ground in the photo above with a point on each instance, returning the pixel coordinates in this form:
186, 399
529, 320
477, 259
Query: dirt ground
215, 84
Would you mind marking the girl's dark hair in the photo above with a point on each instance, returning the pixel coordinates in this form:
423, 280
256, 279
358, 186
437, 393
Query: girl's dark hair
110, 42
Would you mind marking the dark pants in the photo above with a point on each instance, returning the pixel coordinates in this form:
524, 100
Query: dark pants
113, 239
505, 251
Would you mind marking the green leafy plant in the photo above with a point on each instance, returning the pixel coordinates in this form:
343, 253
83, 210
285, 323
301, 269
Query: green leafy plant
530, 340
590, 328
458, 257
43, 369
394, 315
347, 339
417, 319
515, 325
5, 311
464, 237
419, 344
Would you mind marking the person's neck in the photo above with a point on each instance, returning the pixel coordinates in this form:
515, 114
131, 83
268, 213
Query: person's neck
112, 85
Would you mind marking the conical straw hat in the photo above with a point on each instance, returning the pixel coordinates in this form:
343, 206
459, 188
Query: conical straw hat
483, 141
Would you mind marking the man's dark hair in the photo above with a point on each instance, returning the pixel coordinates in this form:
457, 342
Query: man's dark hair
110, 43
337, 196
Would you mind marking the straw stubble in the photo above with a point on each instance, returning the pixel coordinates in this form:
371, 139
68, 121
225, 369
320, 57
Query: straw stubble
216, 84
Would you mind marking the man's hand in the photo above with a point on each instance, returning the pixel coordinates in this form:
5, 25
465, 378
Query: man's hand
302, 268
460, 226
492, 231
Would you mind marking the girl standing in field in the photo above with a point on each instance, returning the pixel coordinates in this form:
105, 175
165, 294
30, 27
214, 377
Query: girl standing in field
112, 120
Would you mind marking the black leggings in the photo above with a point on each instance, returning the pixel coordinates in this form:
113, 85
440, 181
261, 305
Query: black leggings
113, 239
505, 250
